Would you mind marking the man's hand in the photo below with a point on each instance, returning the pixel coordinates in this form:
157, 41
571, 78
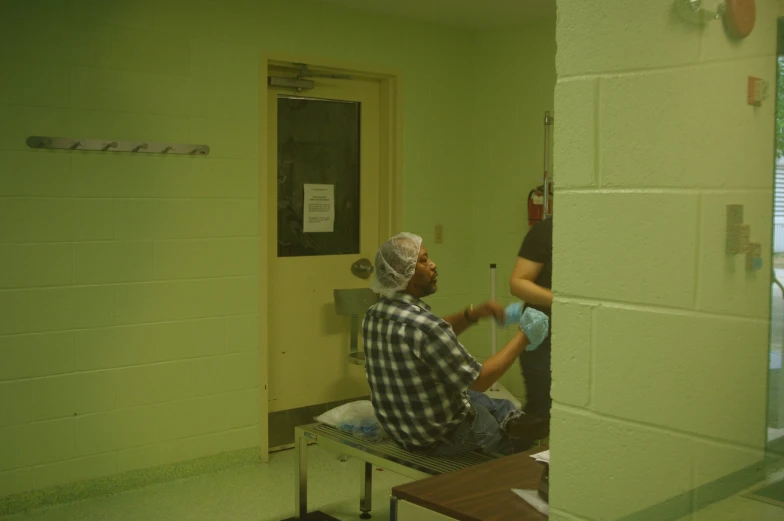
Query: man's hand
489, 309
470, 316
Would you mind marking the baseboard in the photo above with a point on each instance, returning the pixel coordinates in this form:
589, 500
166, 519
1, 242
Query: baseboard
316, 515
775, 449
131, 480
682, 505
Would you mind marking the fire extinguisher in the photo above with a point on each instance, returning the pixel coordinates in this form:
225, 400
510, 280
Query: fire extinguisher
536, 205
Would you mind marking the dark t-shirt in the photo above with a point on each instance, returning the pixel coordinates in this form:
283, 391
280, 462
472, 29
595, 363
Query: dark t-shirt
538, 247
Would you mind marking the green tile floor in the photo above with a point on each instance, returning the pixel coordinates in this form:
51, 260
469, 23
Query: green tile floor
265, 493
262, 492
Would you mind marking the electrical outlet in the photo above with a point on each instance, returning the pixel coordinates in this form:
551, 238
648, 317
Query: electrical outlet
439, 234
754, 257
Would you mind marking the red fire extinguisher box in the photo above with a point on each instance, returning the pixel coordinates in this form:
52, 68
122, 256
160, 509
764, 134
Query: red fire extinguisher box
536, 205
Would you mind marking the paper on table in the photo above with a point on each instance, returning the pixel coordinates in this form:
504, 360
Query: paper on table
542, 456
532, 498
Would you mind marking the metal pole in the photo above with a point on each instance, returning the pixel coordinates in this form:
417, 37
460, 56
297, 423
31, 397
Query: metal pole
301, 477
548, 122
366, 491
493, 332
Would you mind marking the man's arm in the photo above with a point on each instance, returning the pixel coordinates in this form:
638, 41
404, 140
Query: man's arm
522, 283
498, 364
465, 319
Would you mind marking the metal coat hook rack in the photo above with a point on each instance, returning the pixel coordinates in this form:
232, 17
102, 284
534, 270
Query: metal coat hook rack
103, 145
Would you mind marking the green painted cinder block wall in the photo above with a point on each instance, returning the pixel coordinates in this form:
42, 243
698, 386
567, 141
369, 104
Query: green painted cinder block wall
660, 340
129, 288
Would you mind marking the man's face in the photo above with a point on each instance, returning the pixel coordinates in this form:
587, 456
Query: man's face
425, 279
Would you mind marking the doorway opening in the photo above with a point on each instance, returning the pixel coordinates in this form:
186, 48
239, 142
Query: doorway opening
330, 187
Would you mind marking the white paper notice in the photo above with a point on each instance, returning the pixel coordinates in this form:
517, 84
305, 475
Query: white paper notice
544, 457
319, 209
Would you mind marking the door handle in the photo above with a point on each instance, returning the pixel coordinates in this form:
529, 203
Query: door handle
362, 269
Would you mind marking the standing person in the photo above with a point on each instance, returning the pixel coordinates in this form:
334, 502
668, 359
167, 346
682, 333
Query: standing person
532, 282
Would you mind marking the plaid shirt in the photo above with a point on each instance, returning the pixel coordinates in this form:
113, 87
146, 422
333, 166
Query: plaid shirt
417, 370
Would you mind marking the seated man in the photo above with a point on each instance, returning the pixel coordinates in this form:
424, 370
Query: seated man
426, 389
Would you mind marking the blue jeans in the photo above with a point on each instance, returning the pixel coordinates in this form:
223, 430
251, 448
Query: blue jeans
485, 433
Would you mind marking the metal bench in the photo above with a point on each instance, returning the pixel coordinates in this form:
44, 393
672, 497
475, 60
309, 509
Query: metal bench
385, 454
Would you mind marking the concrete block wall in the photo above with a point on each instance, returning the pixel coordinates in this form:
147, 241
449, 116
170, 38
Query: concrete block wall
129, 300
660, 340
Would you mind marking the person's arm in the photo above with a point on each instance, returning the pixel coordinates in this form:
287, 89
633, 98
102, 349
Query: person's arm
498, 364
465, 319
442, 352
522, 284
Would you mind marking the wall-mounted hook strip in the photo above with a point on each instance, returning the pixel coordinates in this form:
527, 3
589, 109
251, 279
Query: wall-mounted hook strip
38, 142
103, 145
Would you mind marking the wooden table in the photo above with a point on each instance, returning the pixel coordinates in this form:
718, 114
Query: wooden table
479, 493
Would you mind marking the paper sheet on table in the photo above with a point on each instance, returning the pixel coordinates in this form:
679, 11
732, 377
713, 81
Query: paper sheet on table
532, 498
542, 456
319, 209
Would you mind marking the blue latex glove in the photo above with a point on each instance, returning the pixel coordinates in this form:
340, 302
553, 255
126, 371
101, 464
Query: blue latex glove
514, 313
536, 327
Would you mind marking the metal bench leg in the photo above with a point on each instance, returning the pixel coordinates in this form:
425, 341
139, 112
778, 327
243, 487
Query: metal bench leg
366, 491
392, 508
301, 479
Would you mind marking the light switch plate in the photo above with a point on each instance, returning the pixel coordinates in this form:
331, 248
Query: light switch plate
439, 234
734, 215
738, 239
737, 232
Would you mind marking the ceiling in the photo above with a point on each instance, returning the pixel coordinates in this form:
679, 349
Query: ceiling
465, 14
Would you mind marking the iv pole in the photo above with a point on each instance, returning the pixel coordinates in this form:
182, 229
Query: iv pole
548, 177
497, 390
493, 333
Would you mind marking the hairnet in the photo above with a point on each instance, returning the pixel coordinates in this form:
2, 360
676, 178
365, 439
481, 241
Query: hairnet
395, 264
